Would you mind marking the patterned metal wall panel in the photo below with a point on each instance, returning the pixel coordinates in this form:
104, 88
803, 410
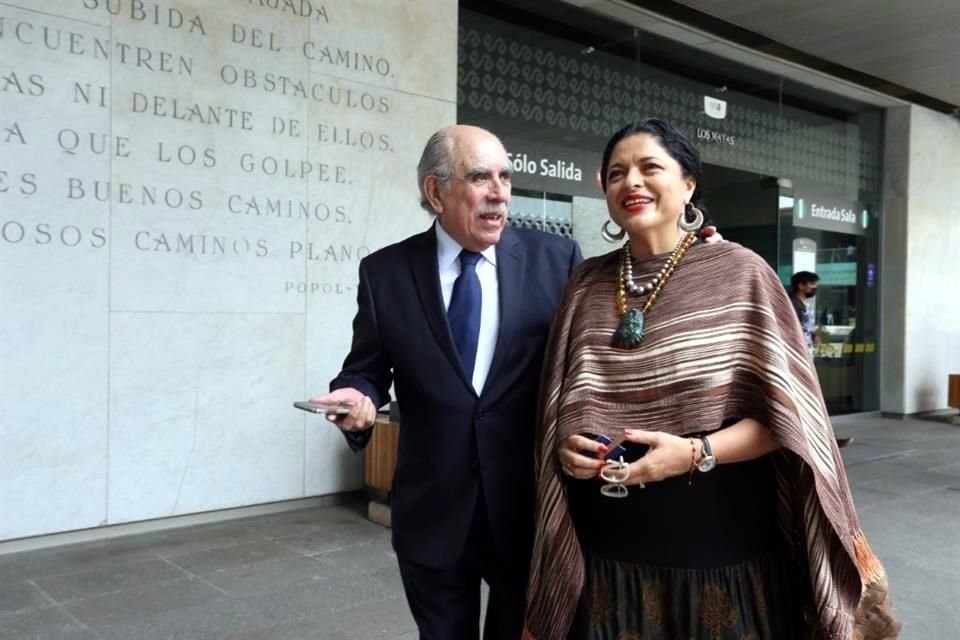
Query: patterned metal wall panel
522, 77
549, 224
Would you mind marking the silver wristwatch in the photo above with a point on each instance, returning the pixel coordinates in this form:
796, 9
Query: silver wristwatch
707, 460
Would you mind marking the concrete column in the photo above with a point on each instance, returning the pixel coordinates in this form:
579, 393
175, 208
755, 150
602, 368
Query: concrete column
920, 299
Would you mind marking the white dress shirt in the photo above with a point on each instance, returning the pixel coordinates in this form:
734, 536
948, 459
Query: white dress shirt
448, 263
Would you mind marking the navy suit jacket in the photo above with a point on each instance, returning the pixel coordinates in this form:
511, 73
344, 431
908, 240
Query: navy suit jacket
451, 439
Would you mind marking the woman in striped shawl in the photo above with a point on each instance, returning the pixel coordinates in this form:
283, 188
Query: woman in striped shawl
730, 517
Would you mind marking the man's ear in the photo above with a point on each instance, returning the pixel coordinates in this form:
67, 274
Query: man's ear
431, 189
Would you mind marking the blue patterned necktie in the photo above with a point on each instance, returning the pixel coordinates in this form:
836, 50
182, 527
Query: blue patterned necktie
464, 311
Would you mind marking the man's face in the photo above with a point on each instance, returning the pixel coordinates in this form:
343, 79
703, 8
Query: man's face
809, 289
472, 206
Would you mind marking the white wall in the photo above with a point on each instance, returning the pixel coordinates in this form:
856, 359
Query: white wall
150, 352
921, 253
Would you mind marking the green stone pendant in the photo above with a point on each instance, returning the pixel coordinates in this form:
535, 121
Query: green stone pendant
629, 334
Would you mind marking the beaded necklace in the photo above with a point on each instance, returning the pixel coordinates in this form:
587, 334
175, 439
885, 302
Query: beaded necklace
629, 333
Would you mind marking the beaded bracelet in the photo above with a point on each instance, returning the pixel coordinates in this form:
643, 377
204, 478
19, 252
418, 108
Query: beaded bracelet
693, 460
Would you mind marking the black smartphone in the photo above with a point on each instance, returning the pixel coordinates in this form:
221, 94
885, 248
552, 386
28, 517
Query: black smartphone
613, 452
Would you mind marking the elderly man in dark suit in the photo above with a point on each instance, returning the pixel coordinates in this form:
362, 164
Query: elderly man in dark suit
456, 318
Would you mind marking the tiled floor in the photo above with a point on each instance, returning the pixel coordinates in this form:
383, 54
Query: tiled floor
329, 574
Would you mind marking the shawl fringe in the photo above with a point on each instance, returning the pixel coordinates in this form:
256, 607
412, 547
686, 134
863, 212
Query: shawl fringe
867, 562
874, 618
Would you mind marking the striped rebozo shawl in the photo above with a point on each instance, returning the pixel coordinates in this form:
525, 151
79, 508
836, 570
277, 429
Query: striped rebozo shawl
722, 342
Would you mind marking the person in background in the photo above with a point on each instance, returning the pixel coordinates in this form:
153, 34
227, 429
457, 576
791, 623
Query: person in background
803, 287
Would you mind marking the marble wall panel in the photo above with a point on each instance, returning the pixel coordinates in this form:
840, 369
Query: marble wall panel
92, 12
200, 412
409, 47
54, 275
209, 149
171, 171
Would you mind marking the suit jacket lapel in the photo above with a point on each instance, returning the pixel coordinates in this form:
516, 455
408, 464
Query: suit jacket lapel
427, 278
510, 275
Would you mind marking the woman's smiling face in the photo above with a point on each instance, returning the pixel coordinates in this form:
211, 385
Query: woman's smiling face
646, 188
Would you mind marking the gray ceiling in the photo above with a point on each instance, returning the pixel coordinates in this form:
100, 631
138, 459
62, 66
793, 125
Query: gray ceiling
912, 43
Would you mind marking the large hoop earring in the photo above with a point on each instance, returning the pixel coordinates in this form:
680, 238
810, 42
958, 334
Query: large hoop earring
693, 225
611, 237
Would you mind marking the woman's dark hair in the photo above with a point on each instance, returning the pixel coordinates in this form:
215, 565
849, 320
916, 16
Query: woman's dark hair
676, 144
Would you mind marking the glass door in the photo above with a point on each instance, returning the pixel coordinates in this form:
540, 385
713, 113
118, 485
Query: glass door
833, 239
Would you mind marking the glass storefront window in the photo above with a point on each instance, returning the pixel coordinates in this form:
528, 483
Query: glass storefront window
790, 171
543, 211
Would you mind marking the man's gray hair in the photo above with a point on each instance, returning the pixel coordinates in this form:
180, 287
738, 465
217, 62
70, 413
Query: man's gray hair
437, 161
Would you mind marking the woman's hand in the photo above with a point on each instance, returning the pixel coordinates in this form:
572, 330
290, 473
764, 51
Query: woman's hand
668, 456
577, 465
710, 235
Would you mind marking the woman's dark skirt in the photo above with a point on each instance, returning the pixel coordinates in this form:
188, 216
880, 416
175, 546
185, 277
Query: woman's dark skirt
676, 561
748, 601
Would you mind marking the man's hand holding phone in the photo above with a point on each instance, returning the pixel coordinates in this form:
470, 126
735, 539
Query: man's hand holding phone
362, 414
